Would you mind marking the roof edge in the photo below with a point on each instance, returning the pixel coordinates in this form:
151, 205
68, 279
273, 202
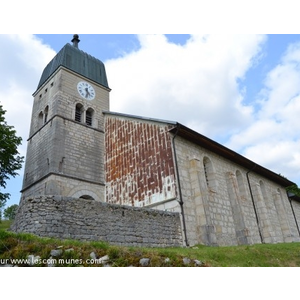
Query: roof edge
139, 117
71, 71
189, 134
229, 154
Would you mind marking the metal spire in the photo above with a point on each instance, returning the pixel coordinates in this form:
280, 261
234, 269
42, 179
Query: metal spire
75, 40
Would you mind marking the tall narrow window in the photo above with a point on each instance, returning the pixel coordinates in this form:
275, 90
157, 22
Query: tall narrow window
41, 118
46, 114
89, 117
78, 112
209, 174
206, 169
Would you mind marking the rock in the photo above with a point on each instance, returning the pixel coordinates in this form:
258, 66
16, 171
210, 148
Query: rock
144, 262
69, 250
56, 252
186, 261
32, 260
103, 259
93, 255
198, 263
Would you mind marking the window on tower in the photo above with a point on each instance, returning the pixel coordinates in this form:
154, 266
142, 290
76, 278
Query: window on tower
78, 112
89, 117
41, 117
46, 114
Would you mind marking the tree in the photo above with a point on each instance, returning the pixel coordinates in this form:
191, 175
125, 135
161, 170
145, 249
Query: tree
10, 212
10, 160
294, 189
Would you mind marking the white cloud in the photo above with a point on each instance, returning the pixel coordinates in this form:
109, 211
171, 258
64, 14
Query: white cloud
273, 139
22, 60
195, 84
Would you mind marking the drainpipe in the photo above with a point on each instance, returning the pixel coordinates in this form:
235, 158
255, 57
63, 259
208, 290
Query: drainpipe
179, 188
253, 203
290, 200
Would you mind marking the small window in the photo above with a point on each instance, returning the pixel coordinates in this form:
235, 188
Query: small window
207, 170
78, 112
41, 118
89, 117
46, 114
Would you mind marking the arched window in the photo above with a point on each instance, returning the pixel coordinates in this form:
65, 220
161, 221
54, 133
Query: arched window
89, 117
78, 112
209, 173
41, 118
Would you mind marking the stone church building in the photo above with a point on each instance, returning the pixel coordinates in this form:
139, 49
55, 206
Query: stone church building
79, 149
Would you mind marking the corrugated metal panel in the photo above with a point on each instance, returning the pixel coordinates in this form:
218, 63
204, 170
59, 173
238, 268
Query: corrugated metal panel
139, 162
78, 61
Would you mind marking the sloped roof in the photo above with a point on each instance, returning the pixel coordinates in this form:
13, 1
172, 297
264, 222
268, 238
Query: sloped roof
231, 155
205, 142
78, 61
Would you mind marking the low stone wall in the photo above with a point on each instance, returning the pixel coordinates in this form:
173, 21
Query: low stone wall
81, 219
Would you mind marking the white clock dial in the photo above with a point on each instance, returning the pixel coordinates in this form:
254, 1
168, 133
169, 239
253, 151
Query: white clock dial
85, 90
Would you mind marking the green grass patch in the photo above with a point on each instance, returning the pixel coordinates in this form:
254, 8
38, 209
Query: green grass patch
5, 224
76, 253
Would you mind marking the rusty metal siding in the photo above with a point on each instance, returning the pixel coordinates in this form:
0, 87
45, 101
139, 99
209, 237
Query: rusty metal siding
139, 162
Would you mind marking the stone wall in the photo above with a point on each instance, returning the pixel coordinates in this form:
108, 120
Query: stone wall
218, 206
81, 219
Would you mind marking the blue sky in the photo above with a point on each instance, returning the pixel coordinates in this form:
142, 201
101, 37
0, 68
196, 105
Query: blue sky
240, 90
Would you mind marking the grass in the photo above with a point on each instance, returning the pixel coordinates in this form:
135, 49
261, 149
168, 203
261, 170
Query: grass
4, 224
76, 253
260, 255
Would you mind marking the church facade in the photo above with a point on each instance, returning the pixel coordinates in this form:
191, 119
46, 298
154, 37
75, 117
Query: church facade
78, 148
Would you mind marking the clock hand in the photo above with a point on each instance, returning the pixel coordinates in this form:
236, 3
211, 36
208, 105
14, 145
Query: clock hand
87, 92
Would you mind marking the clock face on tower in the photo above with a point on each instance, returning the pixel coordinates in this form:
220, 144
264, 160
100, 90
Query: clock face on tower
85, 90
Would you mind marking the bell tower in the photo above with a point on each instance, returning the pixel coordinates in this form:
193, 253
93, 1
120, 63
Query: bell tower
65, 151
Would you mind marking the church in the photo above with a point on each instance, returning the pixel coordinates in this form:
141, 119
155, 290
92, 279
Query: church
79, 149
